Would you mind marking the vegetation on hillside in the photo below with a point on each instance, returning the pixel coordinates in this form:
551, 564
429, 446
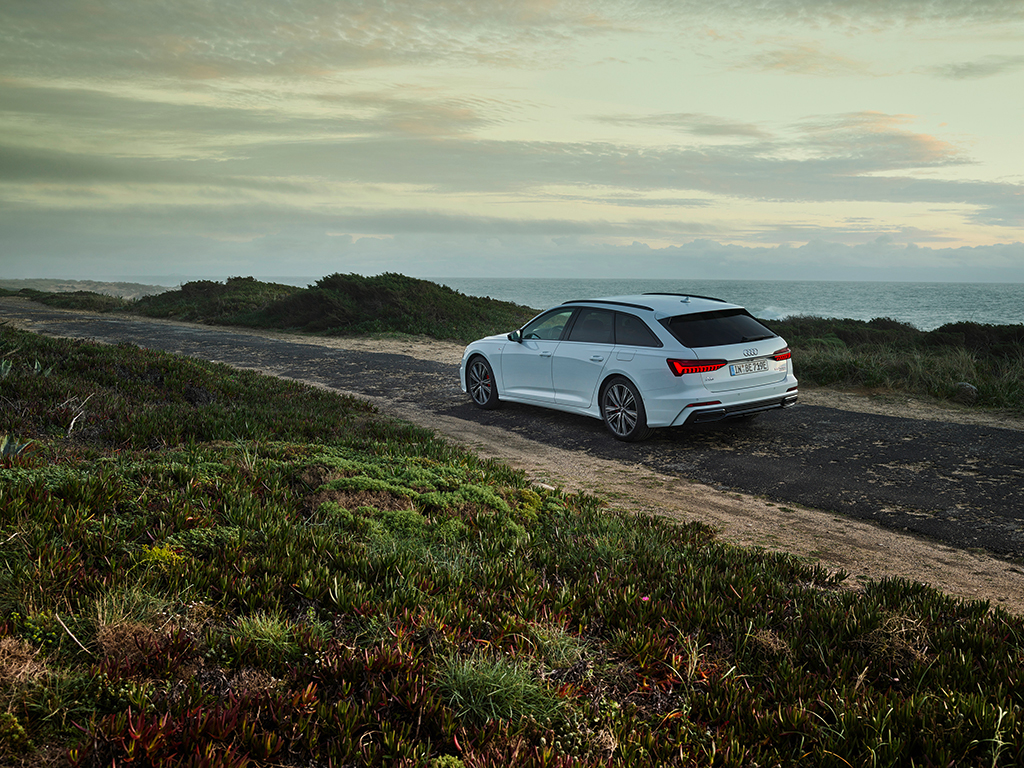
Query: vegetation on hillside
888, 356
390, 303
87, 301
207, 301
337, 305
208, 567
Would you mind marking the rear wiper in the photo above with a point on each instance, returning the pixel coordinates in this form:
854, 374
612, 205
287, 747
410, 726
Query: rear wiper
756, 338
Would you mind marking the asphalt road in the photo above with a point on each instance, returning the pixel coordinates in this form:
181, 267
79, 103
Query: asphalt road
959, 484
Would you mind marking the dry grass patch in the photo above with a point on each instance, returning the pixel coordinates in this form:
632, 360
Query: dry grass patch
900, 640
19, 663
382, 500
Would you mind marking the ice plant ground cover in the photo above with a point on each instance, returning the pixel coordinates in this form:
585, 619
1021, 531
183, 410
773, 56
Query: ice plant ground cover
209, 567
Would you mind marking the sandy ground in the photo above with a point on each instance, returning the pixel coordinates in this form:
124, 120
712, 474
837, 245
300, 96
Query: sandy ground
861, 550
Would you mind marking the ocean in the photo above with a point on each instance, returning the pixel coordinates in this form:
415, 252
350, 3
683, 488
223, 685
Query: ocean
926, 306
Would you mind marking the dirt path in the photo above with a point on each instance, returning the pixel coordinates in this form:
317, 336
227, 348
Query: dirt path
862, 550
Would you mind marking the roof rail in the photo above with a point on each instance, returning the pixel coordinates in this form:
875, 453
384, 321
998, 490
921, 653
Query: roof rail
605, 301
687, 295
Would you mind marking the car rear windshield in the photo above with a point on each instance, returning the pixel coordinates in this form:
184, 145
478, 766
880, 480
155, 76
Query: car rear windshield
714, 329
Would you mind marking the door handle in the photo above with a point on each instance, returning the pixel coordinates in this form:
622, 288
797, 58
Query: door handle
546, 353
597, 358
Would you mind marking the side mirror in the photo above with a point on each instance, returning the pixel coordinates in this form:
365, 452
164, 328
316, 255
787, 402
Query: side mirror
516, 336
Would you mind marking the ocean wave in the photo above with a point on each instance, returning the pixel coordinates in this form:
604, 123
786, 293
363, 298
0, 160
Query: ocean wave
777, 313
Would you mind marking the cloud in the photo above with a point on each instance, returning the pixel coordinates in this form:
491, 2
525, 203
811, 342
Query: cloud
803, 59
492, 249
875, 141
196, 41
988, 66
199, 41
689, 123
112, 122
864, 156
202, 41
848, 13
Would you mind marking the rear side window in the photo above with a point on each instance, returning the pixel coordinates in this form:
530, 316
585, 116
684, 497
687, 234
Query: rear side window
713, 329
633, 332
593, 326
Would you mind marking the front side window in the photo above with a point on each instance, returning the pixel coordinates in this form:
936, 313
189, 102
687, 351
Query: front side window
548, 326
715, 329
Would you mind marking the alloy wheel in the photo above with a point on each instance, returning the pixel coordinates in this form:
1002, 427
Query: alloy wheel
481, 385
620, 409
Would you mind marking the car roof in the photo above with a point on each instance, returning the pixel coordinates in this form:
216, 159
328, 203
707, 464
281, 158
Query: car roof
662, 304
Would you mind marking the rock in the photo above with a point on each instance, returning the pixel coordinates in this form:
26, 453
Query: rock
965, 394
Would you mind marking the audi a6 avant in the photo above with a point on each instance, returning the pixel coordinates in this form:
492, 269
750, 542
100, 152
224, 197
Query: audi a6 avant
636, 362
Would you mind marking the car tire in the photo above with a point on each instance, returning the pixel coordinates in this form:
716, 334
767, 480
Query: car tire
622, 410
480, 383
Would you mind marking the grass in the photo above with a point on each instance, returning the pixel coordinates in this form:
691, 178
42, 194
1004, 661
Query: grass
482, 689
272, 574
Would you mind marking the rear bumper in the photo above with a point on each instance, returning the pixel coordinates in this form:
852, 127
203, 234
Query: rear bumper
738, 411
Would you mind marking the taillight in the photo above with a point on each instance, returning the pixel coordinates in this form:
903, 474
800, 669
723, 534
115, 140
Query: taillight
782, 354
682, 367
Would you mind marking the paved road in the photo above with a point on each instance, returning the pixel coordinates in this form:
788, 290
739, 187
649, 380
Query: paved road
963, 485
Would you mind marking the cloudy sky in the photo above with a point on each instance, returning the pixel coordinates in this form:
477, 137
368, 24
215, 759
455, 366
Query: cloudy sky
799, 139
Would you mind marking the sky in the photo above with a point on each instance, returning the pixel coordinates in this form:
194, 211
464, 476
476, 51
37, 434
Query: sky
747, 139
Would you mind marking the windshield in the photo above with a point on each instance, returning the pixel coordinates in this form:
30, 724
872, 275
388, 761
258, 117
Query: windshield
715, 329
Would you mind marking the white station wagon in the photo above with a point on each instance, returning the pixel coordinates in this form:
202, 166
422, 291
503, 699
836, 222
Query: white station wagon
636, 362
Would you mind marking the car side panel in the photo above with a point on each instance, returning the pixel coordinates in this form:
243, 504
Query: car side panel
526, 370
576, 371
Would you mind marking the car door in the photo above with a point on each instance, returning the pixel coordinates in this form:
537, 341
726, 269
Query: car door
582, 356
526, 365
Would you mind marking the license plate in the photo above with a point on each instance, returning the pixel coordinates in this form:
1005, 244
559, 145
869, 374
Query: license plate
754, 366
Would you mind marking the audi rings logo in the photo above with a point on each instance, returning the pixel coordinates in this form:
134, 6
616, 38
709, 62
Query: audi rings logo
750, 353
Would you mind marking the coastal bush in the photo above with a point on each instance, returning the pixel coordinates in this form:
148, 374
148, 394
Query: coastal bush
390, 303
208, 301
83, 300
297, 580
889, 356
